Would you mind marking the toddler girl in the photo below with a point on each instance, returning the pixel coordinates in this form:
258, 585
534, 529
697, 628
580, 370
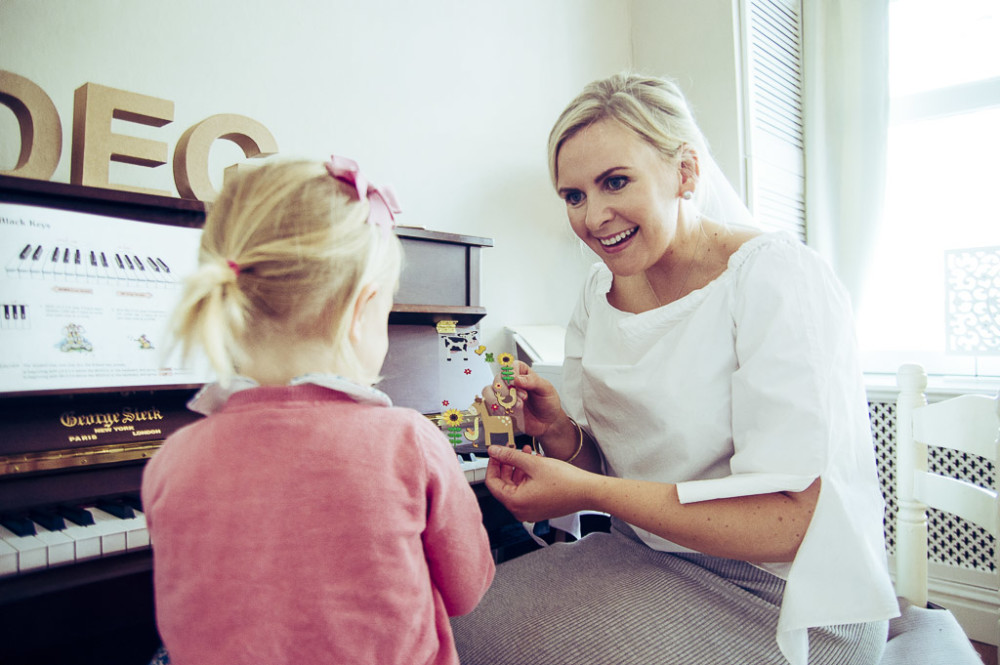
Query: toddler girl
306, 519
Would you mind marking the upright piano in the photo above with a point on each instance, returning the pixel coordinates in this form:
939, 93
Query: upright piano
75, 558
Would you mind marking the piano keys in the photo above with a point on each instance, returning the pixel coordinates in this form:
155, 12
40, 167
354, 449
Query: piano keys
89, 265
62, 535
59, 535
14, 316
474, 466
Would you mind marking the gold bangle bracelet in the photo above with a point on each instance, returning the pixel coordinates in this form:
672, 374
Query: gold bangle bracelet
537, 446
579, 446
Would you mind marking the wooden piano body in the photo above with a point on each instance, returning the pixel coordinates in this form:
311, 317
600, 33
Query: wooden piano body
100, 610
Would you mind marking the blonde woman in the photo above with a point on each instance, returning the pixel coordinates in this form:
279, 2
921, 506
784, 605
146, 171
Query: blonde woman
305, 519
712, 405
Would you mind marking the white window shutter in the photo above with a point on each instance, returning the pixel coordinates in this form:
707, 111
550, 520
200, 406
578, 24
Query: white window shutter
773, 92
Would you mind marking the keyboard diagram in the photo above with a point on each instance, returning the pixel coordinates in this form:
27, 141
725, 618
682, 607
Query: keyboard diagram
85, 300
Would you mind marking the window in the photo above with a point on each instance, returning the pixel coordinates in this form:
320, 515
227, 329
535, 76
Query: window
942, 179
773, 89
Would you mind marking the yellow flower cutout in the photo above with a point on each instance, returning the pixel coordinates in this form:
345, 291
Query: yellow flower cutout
505, 359
453, 417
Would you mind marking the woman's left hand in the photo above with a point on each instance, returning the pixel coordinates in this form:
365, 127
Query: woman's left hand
535, 488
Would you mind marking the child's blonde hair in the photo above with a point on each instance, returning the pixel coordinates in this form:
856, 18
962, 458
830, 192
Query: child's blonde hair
285, 251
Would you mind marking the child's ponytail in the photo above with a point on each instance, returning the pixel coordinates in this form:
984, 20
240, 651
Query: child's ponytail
285, 251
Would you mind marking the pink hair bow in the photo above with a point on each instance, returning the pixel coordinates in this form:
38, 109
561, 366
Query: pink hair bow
382, 200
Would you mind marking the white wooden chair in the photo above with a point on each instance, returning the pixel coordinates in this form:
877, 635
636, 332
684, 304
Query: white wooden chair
968, 424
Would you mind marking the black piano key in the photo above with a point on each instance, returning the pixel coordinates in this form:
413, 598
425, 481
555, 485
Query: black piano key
152, 263
117, 508
118, 260
37, 254
134, 501
138, 262
104, 260
75, 514
20, 525
76, 257
47, 518
25, 251
129, 262
163, 265
66, 255
93, 258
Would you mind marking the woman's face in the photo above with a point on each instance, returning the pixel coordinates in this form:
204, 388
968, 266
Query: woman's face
621, 195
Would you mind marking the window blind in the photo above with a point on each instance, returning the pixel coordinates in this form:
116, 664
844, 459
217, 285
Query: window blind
773, 96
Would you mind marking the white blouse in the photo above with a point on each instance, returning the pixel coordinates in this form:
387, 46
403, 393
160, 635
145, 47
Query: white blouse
749, 385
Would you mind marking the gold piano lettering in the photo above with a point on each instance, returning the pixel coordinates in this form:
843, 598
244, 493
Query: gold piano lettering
71, 419
130, 415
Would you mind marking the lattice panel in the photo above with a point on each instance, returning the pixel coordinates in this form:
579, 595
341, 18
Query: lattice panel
953, 541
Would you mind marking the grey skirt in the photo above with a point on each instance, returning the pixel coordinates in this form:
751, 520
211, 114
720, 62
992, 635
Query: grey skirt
610, 599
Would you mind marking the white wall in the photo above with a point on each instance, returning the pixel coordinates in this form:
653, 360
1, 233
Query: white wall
697, 45
449, 101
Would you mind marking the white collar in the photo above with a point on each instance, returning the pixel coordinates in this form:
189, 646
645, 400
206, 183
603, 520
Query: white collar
213, 396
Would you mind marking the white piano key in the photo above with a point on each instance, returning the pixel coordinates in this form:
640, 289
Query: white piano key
143, 272
119, 267
8, 559
131, 271
136, 534
17, 263
474, 468
86, 541
106, 271
52, 262
111, 529
65, 269
59, 546
160, 277
37, 262
92, 265
31, 552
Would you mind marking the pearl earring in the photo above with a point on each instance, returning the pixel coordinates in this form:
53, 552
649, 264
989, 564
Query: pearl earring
687, 195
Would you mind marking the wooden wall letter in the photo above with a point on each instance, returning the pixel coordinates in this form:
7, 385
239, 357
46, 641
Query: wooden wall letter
191, 153
94, 144
41, 131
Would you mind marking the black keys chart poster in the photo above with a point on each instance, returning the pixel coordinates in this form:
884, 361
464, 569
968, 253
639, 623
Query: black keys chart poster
85, 300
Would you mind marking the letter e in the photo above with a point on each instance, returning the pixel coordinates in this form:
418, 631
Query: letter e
94, 144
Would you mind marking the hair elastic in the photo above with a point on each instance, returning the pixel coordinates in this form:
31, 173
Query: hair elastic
382, 200
234, 266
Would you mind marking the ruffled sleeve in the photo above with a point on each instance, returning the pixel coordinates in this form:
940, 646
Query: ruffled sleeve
799, 412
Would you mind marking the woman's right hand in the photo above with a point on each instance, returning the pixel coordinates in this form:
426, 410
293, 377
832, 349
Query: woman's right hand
538, 406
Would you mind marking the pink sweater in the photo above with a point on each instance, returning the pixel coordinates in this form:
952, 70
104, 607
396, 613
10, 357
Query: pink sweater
296, 525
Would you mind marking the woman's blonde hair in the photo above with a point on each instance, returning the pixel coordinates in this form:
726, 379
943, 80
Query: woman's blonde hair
285, 252
654, 108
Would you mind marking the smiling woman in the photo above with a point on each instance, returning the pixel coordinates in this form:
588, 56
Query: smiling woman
711, 388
